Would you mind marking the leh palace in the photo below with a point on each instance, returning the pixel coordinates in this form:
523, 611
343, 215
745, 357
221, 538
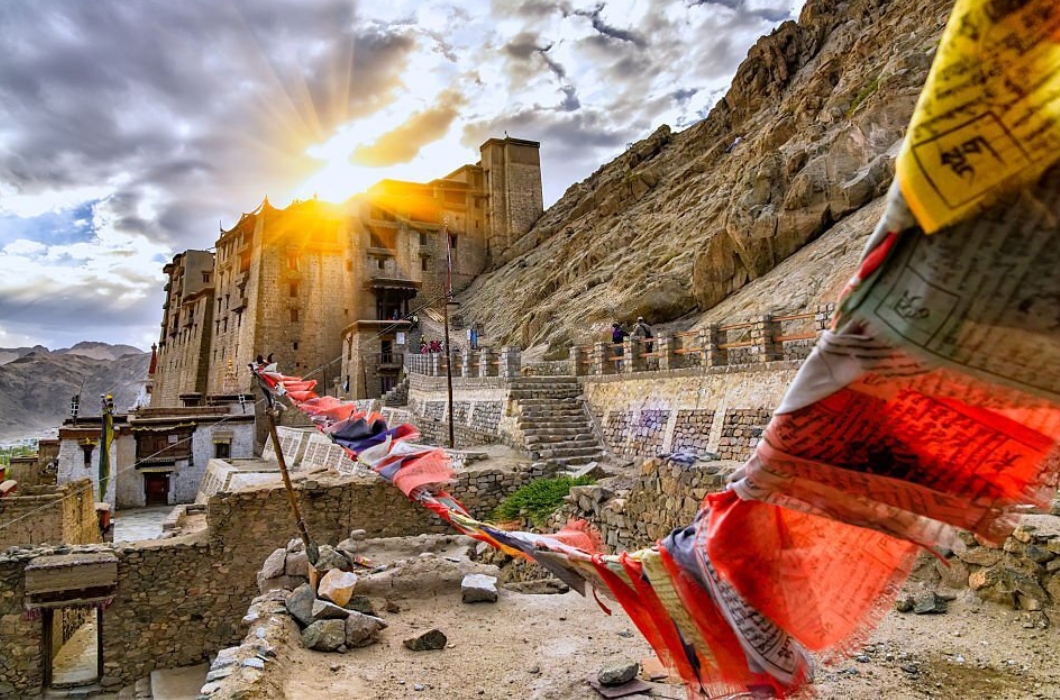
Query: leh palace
318, 281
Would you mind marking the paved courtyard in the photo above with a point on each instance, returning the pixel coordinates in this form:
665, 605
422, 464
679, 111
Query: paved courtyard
136, 524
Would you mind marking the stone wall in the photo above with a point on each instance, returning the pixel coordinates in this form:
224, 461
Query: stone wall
665, 495
722, 411
50, 514
480, 409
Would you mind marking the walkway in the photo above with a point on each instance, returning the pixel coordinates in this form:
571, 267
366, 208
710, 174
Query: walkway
137, 524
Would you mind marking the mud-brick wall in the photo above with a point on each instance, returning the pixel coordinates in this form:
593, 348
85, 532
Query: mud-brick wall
666, 495
50, 514
721, 411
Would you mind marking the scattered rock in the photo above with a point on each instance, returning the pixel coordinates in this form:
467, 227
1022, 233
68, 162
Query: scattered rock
337, 586
358, 534
392, 607
479, 588
618, 674
296, 545
325, 635
904, 604
362, 630
429, 640
300, 604
929, 603
911, 669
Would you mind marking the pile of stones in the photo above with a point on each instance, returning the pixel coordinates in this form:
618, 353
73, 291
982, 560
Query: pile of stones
321, 600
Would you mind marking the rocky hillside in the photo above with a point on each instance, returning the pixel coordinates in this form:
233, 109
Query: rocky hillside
681, 221
35, 389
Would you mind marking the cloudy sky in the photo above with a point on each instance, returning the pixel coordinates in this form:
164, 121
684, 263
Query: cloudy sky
133, 129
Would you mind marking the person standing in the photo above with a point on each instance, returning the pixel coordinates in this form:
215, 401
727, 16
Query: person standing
642, 331
618, 335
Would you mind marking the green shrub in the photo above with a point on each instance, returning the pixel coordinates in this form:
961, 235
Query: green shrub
864, 94
538, 499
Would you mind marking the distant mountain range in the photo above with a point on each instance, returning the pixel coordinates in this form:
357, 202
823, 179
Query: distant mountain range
36, 384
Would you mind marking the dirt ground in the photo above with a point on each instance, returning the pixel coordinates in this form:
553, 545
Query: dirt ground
541, 647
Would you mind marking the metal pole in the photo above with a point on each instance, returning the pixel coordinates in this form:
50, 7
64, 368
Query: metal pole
311, 549
445, 317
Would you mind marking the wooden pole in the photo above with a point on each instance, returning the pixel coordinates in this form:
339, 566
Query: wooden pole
445, 317
310, 548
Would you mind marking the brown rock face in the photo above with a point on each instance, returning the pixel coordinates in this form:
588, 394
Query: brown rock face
680, 222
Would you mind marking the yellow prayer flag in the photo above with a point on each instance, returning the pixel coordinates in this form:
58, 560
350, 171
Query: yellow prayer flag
988, 118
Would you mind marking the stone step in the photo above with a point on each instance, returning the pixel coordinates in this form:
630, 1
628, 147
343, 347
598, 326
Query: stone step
552, 411
572, 431
562, 422
576, 461
550, 401
550, 452
550, 427
561, 443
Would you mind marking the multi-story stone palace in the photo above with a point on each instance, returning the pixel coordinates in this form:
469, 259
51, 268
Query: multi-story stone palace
327, 288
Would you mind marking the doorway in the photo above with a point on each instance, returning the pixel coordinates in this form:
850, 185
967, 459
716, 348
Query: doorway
73, 646
156, 489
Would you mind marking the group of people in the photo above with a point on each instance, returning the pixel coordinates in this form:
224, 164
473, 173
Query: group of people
641, 330
434, 345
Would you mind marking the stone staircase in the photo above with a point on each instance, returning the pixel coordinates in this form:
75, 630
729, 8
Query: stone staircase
554, 422
398, 396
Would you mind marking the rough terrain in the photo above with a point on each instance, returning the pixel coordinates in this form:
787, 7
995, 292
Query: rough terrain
541, 647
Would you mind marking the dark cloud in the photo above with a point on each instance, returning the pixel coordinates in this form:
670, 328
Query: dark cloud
769, 14
608, 31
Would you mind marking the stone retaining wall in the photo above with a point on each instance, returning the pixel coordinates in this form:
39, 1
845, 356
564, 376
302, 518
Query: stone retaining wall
666, 495
722, 411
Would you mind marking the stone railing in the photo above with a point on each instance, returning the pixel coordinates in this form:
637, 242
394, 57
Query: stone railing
483, 362
767, 338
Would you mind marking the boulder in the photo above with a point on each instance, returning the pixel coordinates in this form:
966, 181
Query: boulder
362, 630
929, 603
429, 640
330, 558
300, 604
323, 610
337, 586
479, 588
297, 564
325, 635
274, 564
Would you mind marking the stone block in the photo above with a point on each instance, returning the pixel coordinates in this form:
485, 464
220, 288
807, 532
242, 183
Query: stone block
300, 604
362, 630
337, 586
323, 610
479, 588
325, 635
